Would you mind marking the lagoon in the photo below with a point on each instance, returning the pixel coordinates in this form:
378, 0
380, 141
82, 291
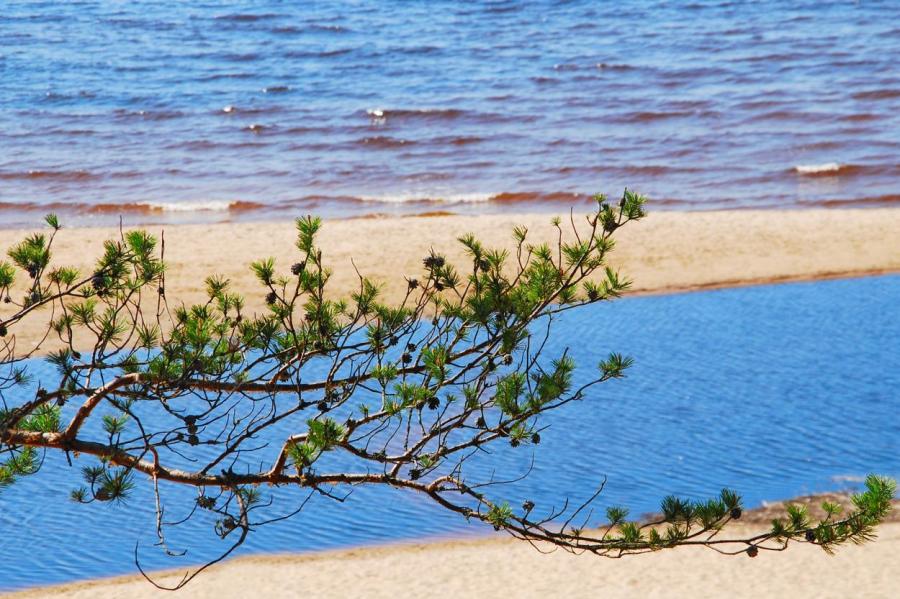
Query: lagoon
774, 391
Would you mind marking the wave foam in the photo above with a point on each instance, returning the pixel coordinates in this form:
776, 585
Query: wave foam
208, 206
134, 207
504, 197
814, 169
462, 198
419, 113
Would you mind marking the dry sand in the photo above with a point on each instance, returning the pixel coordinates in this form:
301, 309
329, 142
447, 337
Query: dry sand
666, 252
512, 569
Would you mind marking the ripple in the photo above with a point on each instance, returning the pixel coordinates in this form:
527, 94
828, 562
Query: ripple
672, 426
247, 17
699, 112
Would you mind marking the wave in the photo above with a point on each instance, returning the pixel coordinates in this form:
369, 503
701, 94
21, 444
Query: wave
53, 96
833, 169
381, 116
414, 198
420, 113
750, 105
613, 66
291, 29
159, 115
204, 145
877, 94
828, 168
317, 53
73, 132
460, 140
638, 170
647, 116
538, 197
789, 115
80, 176
502, 8
383, 142
208, 206
505, 197
439, 202
426, 198
246, 17
134, 207
423, 50
860, 117
771, 57
240, 57
868, 201
250, 110
328, 28
414, 203
38, 175
429, 176
225, 76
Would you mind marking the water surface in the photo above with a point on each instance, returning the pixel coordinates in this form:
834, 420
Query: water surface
179, 111
774, 391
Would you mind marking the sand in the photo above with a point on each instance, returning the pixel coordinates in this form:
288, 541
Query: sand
512, 569
666, 252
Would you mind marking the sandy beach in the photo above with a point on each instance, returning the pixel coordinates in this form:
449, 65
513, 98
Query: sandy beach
667, 252
499, 567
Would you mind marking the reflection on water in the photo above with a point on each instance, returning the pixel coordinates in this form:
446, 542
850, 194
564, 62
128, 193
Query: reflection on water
774, 391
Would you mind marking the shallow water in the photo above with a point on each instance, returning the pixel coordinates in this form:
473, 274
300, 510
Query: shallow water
774, 391
175, 111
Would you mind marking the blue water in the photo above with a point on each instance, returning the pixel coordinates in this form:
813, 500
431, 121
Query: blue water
774, 391
168, 111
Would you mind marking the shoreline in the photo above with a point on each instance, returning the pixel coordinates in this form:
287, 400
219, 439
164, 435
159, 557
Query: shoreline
390, 567
668, 252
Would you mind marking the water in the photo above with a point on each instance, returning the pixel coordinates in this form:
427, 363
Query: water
774, 391
175, 111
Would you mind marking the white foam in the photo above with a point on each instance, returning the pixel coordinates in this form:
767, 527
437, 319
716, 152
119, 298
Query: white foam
228, 109
811, 169
208, 206
377, 116
437, 198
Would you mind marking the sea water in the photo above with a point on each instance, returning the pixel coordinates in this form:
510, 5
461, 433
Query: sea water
185, 111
